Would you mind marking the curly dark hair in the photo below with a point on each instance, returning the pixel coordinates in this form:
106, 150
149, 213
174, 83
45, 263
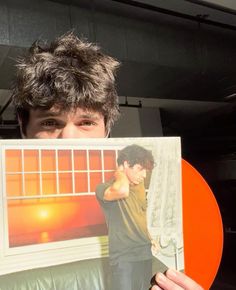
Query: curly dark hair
68, 73
135, 154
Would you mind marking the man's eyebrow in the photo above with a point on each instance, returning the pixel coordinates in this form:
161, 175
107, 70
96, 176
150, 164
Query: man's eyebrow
89, 115
45, 114
84, 115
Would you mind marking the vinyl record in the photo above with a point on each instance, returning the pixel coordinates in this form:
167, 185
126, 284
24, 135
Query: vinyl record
202, 226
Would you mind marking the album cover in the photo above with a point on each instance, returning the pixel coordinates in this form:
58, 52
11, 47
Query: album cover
59, 203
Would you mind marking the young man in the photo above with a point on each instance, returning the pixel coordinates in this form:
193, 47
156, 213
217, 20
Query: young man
123, 200
67, 90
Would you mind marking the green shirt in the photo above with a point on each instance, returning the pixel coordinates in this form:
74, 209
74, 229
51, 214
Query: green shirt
127, 225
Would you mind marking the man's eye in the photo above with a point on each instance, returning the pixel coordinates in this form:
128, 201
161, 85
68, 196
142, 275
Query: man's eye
87, 123
49, 123
140, 168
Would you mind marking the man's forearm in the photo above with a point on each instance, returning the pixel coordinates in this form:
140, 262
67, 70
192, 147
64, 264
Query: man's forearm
119, 189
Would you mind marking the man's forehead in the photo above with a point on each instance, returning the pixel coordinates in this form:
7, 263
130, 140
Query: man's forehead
57, 111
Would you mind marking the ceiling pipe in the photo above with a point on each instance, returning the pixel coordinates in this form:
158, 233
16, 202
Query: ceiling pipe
126, 104
213, 6
197, 18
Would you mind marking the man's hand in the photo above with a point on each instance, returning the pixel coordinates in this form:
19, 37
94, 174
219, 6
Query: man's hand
174, 280
120, 175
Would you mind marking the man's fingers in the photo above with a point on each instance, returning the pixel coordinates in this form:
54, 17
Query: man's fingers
166, 283
174, 280
155, 287
182, 280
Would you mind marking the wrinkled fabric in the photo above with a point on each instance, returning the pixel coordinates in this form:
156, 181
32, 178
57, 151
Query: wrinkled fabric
87, 274
82, 275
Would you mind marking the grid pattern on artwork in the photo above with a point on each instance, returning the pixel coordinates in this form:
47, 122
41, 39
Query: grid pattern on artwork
32, 173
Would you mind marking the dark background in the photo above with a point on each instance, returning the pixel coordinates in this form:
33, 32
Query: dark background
177, 56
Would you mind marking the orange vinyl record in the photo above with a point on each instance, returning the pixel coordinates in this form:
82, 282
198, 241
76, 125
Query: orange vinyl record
202, 227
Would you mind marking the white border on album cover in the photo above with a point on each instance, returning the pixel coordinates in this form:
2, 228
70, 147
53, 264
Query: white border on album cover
52, 253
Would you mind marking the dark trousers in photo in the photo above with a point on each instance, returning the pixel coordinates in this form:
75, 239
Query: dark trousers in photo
131, 275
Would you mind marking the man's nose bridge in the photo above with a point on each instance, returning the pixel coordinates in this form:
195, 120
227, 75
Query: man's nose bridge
68, 131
